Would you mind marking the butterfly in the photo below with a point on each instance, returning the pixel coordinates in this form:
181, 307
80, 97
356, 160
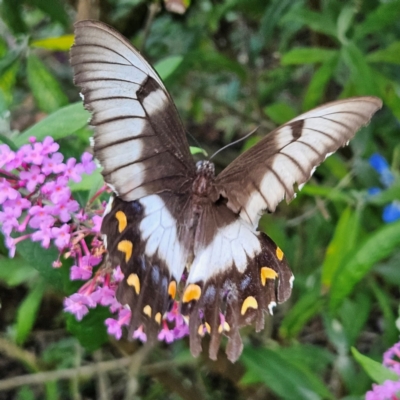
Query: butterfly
178, 231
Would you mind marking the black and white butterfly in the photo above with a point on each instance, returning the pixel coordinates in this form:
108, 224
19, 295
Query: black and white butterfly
171, 217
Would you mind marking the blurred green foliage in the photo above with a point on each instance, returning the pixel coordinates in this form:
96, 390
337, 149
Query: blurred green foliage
231, 65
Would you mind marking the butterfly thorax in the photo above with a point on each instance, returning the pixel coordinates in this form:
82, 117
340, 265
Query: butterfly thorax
204, 181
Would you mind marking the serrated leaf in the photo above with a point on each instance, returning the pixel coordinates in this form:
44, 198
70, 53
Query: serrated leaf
376, 247
167, 66
308, 55
61, 43
62, 123
91, 331
286, 379
27, 312
343, 240
319, 82
45, 89
376, 371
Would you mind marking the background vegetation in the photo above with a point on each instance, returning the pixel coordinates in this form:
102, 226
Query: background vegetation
231, 65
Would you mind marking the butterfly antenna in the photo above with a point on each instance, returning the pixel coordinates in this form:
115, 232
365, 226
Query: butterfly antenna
235, 142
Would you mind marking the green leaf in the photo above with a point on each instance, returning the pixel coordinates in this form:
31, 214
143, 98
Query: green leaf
62, 123
308, 55
319, 82
376, 371
91, 331
90, 183
385, 196
285, 378
45, 89
342, 242
15, 271
8, 75
280, 112
11, 11
167, 66
318, 22
61, 43
6, 140
326, 192
41, 259
303, 310
197, 150
27, 312
344, 21
376, 247
389, 55
386, 14
54, 8
361, 73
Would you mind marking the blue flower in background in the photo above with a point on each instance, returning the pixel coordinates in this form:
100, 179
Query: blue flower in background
392, 211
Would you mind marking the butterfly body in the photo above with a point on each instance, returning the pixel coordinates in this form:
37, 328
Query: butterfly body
178, 231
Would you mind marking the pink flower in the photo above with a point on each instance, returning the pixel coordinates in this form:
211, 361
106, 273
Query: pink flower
6, 155
64, 209
53, 164
139, 334
113, 328
40, 216
87, 162
62, 236
97, 223
73, 170
49, 146
6, 191
165, 334
76, 304
59, 192
33, 155
33, 177
389, 390
44, 235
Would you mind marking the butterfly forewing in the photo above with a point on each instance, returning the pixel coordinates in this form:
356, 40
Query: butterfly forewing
289, 155
137, 127
169, 215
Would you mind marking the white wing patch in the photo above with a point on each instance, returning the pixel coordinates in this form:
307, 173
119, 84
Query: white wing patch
155, 101
231, 247
158, 228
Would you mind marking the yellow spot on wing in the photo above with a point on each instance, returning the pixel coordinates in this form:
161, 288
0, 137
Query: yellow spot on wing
172, 289
250, 302
126, 246
147, 311
134, 281
122, 221
208, 327
192, 292
224, 327
158, 318
267, 273
279, 254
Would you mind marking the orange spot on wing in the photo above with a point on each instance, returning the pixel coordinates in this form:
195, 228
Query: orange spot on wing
192, 292
279, 254
250, 302
147, 311
267, 273
172, 289
134, 281
126, 246
122, 220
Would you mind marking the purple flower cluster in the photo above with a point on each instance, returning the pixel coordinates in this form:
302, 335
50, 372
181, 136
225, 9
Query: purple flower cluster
34, 193
37, 204
388, 390
391, 212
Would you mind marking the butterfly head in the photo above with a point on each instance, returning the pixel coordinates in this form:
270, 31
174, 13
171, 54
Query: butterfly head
205, 172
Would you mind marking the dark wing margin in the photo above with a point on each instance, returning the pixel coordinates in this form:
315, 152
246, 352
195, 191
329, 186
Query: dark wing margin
139, 139
264, 175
